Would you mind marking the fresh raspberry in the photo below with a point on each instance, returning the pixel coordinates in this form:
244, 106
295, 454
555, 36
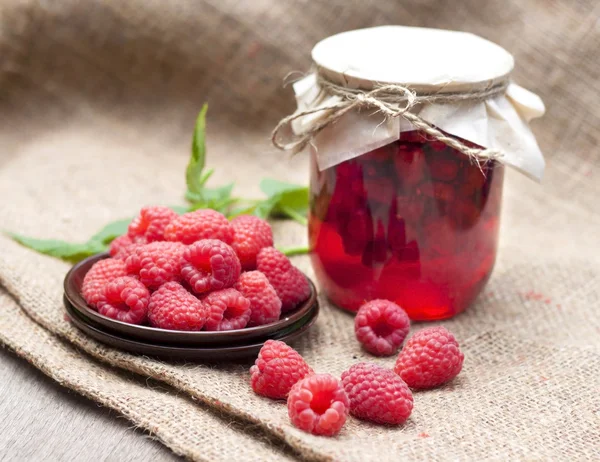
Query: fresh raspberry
226, 309
124, 299
172, 307
251, 235
381, 326
200, 224
377, 394
123, 246
430, 358
318, 404
277, 368
265, 305
150, 224
100, 274
209, 264
155, 263
290, 284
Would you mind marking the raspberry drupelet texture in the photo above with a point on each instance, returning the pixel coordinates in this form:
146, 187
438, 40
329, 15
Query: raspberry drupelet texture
173, 307
381, 326
208, 265
251, 235
288, 281
430, 358
150, 224
118, 247
156, 263
318, 404
377, 394
265, 305
124, 299
100, 274
277, 368
226, 309
200, 224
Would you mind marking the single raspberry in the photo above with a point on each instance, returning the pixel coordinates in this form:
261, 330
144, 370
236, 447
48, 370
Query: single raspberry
150, 224
124, 299
377, 394
123, 246
100, 274
200, 224
265, 305
156, 263
251, 235
381, 326
226, 309
277, 368
318, 404
290, 284
430, 358
210, 264
173, 307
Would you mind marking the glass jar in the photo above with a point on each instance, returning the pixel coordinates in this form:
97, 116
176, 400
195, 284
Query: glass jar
415, 222
395, 213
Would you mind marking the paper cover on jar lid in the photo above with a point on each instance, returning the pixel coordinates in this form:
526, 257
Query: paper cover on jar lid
427, 60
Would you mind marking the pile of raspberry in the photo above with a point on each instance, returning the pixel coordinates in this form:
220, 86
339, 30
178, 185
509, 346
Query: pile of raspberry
196, 271
320, 403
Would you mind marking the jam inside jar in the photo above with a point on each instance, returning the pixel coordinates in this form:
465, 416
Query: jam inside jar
415, 222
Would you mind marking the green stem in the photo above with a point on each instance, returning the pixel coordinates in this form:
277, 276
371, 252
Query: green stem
294, 215
291, 251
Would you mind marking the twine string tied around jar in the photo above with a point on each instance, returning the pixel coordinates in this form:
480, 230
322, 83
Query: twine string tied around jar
391, 100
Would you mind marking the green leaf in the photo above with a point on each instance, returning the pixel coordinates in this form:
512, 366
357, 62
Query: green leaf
194, 176
284, 199
72, 252
111, 231
291, 251
179, 209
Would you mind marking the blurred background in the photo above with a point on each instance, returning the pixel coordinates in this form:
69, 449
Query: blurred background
98, 99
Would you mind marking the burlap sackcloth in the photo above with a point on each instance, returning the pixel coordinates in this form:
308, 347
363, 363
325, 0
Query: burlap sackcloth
97, 100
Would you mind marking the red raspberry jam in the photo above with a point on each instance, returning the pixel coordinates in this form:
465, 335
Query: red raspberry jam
415, 222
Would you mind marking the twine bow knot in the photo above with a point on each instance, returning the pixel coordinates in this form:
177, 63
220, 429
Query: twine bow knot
392, 101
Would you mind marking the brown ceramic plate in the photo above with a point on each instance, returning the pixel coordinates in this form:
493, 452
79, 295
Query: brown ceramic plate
216, 353
290, 320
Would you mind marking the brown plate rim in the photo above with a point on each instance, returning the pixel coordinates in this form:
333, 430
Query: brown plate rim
276, 335
71, 290
217, 353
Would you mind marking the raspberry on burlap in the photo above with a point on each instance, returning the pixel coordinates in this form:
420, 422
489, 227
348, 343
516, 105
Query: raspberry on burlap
276, 369
381, 326
318, 404
430, 358
377, 394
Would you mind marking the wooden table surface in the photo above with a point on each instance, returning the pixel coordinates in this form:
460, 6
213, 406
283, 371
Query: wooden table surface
42, 421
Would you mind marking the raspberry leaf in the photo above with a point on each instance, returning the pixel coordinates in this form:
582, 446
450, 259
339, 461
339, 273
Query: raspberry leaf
284, 199
195, 176
72, 252
111, 231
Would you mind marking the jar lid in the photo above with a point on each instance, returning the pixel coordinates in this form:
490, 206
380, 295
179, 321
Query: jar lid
423, 59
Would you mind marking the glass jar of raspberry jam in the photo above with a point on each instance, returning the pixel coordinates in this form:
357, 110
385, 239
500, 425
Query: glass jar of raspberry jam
404, 202
415, 222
